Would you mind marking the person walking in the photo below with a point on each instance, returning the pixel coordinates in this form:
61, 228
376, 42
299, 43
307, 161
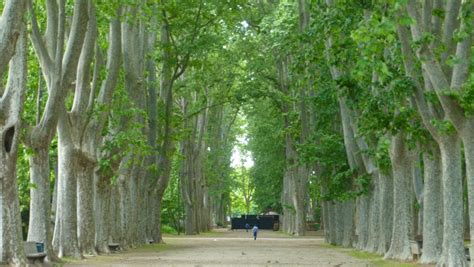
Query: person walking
255, 231
247, 227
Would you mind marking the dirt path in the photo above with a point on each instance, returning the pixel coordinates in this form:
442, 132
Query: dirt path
230, 248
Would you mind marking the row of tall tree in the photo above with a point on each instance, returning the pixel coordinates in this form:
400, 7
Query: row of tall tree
104, 102
362, 109
371, 103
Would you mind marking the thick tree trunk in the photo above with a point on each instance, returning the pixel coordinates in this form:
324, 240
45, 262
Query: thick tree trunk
133, 208
198, 212
191, 189
453, 246
39, 196
151, 225
103, 215
143, 208
188, 189
324, 220
65, 232
348, 215
332, 222
433, 207
219, 210
339, 222
402, 176
85, 205
115, 215
310, 208
299, 197
326, 212
190, 220
54, 203
362, 222
206, 218
468, 140
386, 212
11, 241
374, 214
287, 211
12, 50
158, 234
11, 247
418, 190
288, 208
301, 180
39, 227
125, 204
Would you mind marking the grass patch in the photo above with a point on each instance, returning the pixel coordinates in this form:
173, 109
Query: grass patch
166, 229
373, 258
64, 260
377, 260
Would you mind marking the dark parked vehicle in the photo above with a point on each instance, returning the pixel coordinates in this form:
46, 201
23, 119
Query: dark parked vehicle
269, 222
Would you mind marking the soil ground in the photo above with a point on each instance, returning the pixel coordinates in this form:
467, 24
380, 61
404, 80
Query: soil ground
230, 248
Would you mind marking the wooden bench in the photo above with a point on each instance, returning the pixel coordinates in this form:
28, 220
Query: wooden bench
416, 249
114, 246
466, 252
32, 253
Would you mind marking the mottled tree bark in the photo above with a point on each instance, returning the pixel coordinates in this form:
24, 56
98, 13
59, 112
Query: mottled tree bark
103, 214
374, 211
468, 141
453, 241
449, 77
85, 206
326, 212
433, 207
58, 64
65, 232
39, 227
125, 201
402, 176
386, 212
339, 222
332, 222
348, 215
11, 105
362, 222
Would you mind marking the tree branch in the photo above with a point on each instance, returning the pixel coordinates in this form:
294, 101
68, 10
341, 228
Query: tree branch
38, 42
10, 24
463, 54
95, 77
451, 22
52, 26
83, 85
426, 15
113, 69
75, 41
410, 71
436, 74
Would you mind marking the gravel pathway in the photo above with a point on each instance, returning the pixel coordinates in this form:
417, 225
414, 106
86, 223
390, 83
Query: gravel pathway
230, 248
